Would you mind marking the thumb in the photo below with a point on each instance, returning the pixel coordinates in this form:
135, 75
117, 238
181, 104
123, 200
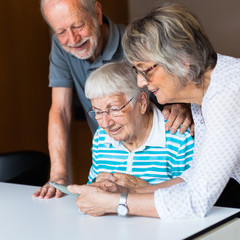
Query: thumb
166, 112
75, 188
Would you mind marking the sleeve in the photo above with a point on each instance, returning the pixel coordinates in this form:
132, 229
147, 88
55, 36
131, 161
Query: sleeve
59, 73
93, 173
218, 158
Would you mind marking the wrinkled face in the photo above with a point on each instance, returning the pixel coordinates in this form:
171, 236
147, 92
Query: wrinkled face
161, 84
123, 127
77, 31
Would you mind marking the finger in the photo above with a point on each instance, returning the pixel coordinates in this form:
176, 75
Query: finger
76, 188
95, 184
118, 176
170, 123
185, 125
105, 176
101, 176
58, 194
43, 192
182, 118
166, 112
51, 191
192, 129
37, 193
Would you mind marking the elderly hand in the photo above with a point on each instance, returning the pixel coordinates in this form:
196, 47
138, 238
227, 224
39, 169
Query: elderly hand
105, 176
129, 181
122, 179
109, 186
48, 191
177, 114
94, 201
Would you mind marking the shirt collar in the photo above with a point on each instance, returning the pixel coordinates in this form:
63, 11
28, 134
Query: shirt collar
111, 46
113, 40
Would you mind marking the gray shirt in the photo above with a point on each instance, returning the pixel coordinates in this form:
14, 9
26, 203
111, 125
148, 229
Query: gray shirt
68, 71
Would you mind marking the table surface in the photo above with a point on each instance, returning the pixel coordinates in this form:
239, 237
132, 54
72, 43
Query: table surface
25, 218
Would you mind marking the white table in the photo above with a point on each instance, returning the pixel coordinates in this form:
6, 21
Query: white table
25, 218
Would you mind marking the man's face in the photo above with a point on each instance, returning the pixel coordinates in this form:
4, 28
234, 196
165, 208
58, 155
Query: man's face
78, 32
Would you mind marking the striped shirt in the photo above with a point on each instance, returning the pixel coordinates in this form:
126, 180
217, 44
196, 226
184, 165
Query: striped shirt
162, 157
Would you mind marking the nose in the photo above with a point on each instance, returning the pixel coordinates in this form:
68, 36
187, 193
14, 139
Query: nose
107, 121
72, 37
141, 81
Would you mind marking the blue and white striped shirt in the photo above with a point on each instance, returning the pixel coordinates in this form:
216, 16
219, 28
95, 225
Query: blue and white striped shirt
162, 157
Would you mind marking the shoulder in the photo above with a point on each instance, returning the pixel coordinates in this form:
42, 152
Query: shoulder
121, 28
99, 136
179, 137
57, 50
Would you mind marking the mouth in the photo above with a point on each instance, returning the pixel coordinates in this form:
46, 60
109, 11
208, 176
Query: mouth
81, 45
154, 91
115, 130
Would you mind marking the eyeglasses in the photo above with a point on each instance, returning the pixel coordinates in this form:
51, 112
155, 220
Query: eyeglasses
145, 72
112, 112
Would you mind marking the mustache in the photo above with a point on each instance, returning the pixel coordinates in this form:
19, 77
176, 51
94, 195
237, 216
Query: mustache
79, 44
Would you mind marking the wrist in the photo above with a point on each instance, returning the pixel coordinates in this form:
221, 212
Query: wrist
122, 209
113, 202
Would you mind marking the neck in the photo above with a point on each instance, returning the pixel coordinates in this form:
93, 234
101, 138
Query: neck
194, 94
102, 41
204, 86
143, 131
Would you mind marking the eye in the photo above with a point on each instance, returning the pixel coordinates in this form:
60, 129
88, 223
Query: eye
79, 27
98, 112
60, 33
114, 109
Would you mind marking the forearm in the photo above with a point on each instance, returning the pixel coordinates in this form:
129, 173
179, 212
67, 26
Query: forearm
142, 205
138, 204
152, 188
58, 142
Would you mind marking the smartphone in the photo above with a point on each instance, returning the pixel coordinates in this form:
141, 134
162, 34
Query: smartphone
63, 189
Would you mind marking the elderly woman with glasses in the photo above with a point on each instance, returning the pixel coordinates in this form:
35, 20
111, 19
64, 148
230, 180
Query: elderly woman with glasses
131, 146
175, 60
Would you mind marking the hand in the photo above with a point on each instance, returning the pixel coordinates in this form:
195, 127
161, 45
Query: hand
129, 181
94, 201
105, 176
109, 186
177, 114
121, 179
48, 191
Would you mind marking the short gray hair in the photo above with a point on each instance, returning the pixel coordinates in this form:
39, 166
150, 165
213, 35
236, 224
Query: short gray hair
88, 5
172, 36
113, 79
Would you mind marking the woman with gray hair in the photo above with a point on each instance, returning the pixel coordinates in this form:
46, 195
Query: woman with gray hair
131, 146
176, 62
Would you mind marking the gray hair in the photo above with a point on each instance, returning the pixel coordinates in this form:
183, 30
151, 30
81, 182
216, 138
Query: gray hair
113, 79
172, 36
88, 5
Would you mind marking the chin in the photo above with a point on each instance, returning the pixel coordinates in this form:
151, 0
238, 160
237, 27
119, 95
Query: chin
82, 56
163, 101
117, 138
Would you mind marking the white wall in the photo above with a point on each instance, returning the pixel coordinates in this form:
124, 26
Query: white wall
220, 18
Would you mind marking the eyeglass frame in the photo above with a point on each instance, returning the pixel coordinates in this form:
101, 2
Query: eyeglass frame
108, 111
145, 72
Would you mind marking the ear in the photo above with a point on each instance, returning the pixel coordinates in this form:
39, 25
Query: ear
143, 99
98, 12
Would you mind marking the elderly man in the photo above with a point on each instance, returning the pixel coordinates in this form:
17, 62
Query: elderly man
83, 40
